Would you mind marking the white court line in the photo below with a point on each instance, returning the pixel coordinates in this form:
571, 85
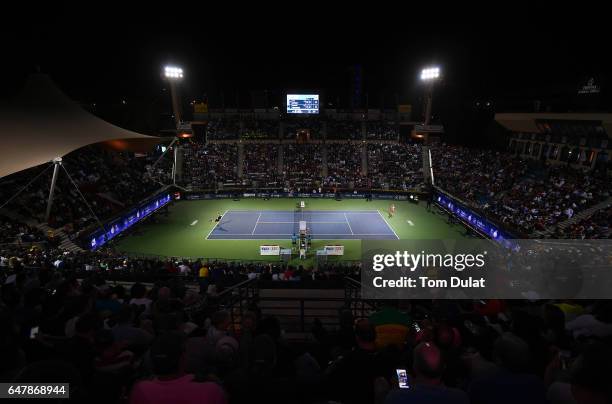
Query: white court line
194, 222
298, 222
349, 225
288, 235
256, 223
383, 218
283, 237
215, 226
317, 212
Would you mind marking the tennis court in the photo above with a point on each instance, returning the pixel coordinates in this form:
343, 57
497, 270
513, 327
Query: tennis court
282, 224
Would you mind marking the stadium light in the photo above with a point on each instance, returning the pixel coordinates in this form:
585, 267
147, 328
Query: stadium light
430, 73
173, 72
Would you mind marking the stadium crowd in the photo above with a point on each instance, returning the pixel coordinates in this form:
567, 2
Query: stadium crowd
66, 316
523, 195
312, 125
223, 129
350, 130
302, 166
382, 130
110, 182
595, 226
344, 166
395, 165
208, 165
259, 129
12, 231
165, 342
261, 163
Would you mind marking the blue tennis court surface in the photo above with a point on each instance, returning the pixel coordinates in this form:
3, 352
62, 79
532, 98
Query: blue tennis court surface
282, 224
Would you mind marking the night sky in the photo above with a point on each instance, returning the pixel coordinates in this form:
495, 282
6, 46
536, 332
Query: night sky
228, 59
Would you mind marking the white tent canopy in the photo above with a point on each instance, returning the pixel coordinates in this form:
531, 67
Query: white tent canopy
42, 123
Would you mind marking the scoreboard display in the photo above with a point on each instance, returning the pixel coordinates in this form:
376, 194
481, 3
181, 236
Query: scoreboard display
302, 103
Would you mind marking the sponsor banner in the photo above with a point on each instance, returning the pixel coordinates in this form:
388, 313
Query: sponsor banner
269, 250
119, 225
348, 195
474, 220
482, 269
334, 250
353, 196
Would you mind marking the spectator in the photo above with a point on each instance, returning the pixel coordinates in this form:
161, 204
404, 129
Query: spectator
171, 384
427, 386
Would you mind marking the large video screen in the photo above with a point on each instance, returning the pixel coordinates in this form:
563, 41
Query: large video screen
302, 103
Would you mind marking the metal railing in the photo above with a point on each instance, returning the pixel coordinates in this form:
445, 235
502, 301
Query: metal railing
352, 295
237, 300
295, 313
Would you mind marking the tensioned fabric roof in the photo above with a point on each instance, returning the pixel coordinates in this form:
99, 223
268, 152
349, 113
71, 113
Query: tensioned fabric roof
42, 123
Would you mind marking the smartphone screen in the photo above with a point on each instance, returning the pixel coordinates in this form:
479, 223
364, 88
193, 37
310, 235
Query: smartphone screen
564, 357
33, 332
402, 378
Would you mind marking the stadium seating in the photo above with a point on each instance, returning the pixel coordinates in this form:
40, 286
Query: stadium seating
87, 324
223, 129
522, 195
12, 231
261, 163
110, 182
395, 166
596, 226
312, 125
377, 130
344, 166
99, 314
260, 129
302, 165
338, 129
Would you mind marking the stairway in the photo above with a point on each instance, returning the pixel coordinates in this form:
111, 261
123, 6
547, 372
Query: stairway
576, 218
324, 169
66, 244
280, 167
240, 164
364, 159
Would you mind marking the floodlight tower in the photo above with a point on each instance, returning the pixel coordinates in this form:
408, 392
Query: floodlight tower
174, 74
429, 75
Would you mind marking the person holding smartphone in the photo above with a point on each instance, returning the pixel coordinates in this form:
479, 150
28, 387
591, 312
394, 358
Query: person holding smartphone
426, 386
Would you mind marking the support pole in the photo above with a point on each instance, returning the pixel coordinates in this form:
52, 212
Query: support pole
428, 101
174, 165
56, 164
176, 106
